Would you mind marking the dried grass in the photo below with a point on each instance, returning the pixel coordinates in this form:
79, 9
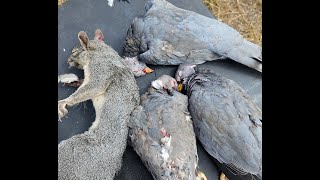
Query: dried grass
243, 15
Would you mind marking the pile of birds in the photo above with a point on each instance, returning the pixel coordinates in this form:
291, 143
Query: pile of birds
195, 104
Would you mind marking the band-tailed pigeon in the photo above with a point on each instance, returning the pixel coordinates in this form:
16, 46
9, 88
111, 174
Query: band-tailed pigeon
161, 132
168, 35
226, 120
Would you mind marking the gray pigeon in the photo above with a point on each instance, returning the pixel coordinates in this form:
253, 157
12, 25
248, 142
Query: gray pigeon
226, 120
161, 133
168, 35
137, 67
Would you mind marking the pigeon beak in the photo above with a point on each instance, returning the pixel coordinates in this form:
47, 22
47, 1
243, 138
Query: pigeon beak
179, 87
147, 70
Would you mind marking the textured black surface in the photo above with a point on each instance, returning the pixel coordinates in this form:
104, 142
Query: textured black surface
86, 15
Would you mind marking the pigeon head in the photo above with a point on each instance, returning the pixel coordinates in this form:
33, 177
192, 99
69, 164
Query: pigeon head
165, 82
184, 71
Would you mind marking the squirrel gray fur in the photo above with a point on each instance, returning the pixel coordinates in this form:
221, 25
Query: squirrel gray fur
97, 153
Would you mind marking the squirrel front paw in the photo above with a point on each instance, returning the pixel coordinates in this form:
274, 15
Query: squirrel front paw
62, 110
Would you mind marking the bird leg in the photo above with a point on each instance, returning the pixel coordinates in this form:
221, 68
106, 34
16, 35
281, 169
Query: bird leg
148, 70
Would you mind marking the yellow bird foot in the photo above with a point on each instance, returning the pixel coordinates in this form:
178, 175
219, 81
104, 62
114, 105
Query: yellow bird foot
201, 176
223, 176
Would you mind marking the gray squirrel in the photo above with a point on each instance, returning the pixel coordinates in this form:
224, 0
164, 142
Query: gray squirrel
97, 153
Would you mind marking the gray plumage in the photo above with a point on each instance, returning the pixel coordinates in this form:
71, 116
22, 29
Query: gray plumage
168, 35
138, 68
226, 120
161, 132
97, 153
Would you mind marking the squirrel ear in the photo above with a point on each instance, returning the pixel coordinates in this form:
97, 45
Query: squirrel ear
84, 40
98, 35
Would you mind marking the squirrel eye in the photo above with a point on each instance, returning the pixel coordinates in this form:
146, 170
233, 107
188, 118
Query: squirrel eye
75, 53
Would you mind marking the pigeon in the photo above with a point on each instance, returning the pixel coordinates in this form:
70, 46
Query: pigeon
226, 120
161, 133
168, 35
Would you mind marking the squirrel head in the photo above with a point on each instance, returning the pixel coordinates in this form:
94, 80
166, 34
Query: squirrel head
79, 55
